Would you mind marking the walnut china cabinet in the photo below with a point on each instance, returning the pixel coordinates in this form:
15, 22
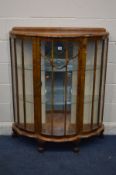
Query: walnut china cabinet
58, 82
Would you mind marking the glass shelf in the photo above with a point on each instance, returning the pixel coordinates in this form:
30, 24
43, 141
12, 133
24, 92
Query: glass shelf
27, 67
69, 68
88, 99
28, 98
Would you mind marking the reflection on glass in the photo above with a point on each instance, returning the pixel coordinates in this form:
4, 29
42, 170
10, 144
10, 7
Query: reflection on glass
59, 87
14, 82
20, 82
97, 84
28, 62
88, 84
103, 81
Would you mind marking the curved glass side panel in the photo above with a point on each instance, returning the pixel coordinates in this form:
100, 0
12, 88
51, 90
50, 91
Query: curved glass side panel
20, 82
14, 89
88, 85
103, 77
28, 72
25, 85
97, 84
92, 84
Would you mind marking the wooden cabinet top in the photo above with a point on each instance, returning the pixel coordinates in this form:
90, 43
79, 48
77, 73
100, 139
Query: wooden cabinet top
58, 32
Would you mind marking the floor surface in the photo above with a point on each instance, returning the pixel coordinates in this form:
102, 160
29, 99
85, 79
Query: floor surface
19, 156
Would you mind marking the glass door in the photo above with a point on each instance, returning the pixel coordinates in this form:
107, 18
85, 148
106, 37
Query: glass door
59, 64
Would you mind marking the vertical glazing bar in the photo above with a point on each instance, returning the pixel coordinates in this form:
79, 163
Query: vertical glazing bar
12, 76
101, 77
105, 67
52, 88
17, 89
37, 83
94, 79
81, 83
23, 82
65, 89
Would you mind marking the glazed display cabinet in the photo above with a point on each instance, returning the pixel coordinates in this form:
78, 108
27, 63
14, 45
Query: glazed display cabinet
58, 82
